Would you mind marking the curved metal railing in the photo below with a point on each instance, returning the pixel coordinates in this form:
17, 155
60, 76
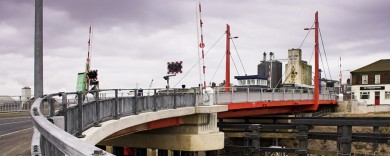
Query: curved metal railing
50, 139
256, 94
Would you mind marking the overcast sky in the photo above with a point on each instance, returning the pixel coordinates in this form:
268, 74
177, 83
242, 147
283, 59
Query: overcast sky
134, 40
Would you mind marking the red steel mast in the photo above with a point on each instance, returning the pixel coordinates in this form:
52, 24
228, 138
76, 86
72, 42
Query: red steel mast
316, 66
227, 78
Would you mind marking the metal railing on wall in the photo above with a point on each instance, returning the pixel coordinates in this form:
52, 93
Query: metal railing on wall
253, 94
91, 111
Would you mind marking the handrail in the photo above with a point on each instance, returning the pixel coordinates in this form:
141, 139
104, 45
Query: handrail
56, 141
68, 144
255, 94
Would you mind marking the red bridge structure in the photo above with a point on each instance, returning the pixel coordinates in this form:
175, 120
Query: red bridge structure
251, 101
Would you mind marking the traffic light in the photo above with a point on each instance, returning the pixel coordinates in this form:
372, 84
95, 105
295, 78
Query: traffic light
92, 74
93, 82
175, 67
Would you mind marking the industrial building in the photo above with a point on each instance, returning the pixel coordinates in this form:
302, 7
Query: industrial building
269, 74
271, 69
371, 83
297, 72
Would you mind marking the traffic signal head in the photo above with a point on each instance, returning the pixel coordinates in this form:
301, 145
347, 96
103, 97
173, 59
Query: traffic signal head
92, 74
175, 67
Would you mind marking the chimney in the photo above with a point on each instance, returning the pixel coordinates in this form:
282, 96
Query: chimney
270, 55
264, 57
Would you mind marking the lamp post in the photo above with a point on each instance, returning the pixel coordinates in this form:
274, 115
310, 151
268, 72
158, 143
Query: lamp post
227, 72
316, 64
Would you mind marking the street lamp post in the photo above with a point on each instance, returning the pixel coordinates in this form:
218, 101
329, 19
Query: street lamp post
316, 63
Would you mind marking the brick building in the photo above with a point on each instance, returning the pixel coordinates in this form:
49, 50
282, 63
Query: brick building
371, 83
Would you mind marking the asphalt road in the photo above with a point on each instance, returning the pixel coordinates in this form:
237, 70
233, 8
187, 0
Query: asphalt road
13, 125
15, 135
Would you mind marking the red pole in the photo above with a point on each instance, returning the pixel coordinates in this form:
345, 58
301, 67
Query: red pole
227, 78
316, 68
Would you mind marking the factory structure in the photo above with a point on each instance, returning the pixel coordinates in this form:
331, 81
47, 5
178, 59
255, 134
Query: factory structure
298, 74
269, 74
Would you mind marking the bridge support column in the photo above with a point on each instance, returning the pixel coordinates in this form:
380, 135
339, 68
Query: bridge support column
141, 152
188, 153
197, 132
176, 153
212, 153
255, 137
375, 144
118, 150
345, 140
161, 152
302, 139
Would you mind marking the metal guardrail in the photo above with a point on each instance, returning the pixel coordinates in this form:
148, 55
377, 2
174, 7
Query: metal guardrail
56, 141
252, 94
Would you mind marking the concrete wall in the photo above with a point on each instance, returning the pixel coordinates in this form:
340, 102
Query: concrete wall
297, 71
363, 109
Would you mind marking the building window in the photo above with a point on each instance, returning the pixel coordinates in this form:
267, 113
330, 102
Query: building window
387, 95
252, 82
364, 95
242, 82
365, 79
353, 95
377, 79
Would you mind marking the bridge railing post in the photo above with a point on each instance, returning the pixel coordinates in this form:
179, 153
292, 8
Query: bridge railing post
64, 109
284, 93
135, 107
116, 104
154, 100
174, 99
80, 98
195, 97
217, 97
293, 94
51, 106
97, 100
261, 94
301, 94
273, 94
231, 95
247, 93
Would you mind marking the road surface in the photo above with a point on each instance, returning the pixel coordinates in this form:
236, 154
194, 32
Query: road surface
15, 135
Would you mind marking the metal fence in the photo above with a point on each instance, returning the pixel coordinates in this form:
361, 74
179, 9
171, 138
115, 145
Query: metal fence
15, 106
252, 94
92, 111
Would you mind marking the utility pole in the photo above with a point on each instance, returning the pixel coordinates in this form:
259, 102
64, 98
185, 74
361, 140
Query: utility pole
38, 50
227, 78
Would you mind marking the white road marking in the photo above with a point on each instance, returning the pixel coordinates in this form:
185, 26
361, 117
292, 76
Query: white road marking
14, 118
16, 132
15, 122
